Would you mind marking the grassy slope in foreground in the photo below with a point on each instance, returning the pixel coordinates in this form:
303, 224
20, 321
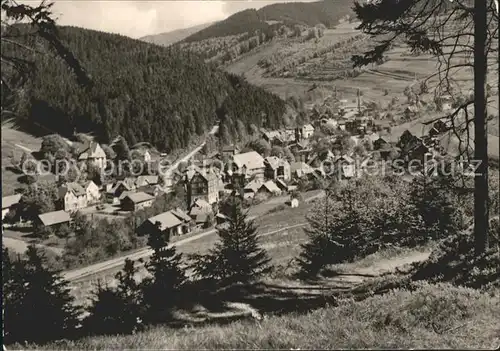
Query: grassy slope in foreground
434, 316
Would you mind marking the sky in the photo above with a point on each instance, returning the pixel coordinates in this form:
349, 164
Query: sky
139, 18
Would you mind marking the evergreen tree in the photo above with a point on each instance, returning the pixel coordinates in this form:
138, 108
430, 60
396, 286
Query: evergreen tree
237, 257
162, 291
12, 297
122, 150
43, 310
434, 200
116, 311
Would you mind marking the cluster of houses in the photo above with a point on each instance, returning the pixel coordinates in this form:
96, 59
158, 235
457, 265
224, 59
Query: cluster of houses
248, 175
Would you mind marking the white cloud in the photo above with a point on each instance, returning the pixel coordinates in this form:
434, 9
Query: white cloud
140, 18
137, 18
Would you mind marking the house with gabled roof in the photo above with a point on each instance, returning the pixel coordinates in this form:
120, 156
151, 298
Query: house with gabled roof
144, 180
269, 188
251, 188
271, 135
153, 190
165, 223
346, 166
136, 200
200, 206
93, 192
300, 169
277, 168
72, 196
250, 164
92, 153
203, 185
230, 150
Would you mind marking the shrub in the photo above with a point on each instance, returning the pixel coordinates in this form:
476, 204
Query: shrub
454, 261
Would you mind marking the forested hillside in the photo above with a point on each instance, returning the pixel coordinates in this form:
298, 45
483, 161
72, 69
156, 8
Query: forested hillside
141, 91
326, 12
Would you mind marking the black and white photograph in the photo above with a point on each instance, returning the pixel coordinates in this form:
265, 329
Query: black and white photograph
250, 174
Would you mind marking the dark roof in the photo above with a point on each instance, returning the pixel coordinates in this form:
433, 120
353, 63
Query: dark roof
139, 197
181, 214
75, 188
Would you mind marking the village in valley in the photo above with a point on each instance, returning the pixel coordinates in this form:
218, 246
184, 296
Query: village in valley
287, 175
337, 144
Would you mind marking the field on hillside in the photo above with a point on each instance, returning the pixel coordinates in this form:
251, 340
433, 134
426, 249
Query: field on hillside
379, 83
311, 61
14, 143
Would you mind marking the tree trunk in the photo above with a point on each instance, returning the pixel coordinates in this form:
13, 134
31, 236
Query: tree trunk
480, 134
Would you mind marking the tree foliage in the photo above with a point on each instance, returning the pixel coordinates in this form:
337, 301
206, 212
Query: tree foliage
162, 290
237, 257
366, 215
37, 303
140, 91
116, 310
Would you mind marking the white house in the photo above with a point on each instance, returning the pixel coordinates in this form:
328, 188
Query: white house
307, 131
93, 193
93, 153
73, 196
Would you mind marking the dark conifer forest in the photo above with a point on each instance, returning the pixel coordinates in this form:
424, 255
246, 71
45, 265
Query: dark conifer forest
141, 91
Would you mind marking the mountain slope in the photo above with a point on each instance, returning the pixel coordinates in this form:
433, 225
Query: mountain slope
174, 36
141, 91
326, 12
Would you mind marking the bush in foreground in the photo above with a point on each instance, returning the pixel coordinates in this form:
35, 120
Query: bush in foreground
437, 316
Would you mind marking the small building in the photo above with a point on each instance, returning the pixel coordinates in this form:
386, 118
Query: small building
300, 169
281, 185
271, 135
199, 206
203, 185
145, 180
269, 188
251, 164
251, 189
92, 153
294, 202
307, 131
379, 143
93, 192
230, 151
73, 196
153, 190
277, 168
203, 220
165, 223
53, 219
136, 201
10, 203
184, 218
147, 156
